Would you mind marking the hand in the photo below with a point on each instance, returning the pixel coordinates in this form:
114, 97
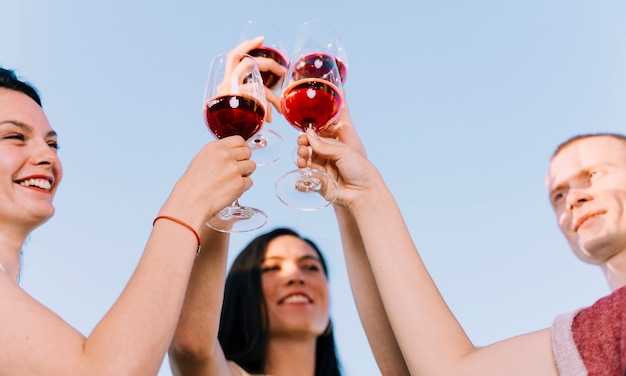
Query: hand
216, 176
236, 74
344, 130
265, 64
358, 179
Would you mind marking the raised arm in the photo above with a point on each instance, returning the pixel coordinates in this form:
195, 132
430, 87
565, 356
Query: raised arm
431, 339
195, 349
133, 337
373, 317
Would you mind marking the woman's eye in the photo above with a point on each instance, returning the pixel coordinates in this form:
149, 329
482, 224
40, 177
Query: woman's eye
15, 136
269, 268
54, 145
593, 174
312, 268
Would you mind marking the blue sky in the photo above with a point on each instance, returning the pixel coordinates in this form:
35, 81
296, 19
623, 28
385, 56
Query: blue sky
460, 105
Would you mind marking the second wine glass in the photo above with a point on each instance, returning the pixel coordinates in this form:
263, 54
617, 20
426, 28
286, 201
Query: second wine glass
267, 143
325, 37
234, 104
311, 99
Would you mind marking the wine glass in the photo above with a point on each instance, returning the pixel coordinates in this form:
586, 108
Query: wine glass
267, 143
311, 99
234, 104
273, 47
324, 35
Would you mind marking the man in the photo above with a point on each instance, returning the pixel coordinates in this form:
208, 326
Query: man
587, 185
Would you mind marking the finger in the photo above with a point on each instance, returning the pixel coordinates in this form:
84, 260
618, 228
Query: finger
232, 141
247, 167
249, 44
242, 71
266, 64
273, 99
268, 112
238, 146
303, 139
326, 147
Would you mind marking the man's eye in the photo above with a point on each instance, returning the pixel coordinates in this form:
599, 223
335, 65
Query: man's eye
557, 197
54, 145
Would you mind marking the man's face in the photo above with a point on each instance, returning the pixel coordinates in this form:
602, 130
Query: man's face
587, 187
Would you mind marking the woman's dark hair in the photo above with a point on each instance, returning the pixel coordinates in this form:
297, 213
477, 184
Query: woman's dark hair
243, 332
9, 80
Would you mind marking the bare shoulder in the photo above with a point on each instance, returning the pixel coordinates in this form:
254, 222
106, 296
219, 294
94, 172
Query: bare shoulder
31, 333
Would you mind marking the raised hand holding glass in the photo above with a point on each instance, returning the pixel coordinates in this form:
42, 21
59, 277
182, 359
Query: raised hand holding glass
234, 104
267, 143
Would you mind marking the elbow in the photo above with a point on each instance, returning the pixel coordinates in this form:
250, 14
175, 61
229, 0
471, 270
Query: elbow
189, 346
190, 354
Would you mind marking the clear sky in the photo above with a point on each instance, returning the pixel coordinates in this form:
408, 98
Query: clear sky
460, 105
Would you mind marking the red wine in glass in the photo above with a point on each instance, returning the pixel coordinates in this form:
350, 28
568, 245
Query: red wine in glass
270, 79
343, 70
311, 102
230, 115
311, 99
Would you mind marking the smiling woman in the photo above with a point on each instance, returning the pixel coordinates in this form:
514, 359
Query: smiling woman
29, 165
130, 338
275, 314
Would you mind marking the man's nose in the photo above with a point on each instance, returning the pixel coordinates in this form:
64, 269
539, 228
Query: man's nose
576, 197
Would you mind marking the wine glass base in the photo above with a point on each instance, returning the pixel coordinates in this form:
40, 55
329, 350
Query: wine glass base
267, 147
233, 219
306, 189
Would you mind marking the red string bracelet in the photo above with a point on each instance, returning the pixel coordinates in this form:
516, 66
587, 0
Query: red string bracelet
180, 222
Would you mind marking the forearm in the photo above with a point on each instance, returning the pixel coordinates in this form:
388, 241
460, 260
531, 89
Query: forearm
134, 335
369, 304
195, 339
431, 339
425, 328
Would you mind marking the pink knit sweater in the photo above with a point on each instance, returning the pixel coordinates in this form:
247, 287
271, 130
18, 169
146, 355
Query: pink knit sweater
592, 341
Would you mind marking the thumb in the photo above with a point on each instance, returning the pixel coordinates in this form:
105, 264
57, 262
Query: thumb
327, 147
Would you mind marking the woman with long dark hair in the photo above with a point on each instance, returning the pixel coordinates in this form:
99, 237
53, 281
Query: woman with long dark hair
274, 317
275, 313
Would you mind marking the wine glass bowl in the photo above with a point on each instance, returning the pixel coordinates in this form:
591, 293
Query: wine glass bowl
234, 115
270, 79
234, 104
325, 38
312, 95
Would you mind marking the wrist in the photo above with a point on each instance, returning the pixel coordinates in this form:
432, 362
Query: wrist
180, 222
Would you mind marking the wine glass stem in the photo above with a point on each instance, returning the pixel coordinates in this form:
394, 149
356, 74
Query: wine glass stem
258, 141
309, 158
